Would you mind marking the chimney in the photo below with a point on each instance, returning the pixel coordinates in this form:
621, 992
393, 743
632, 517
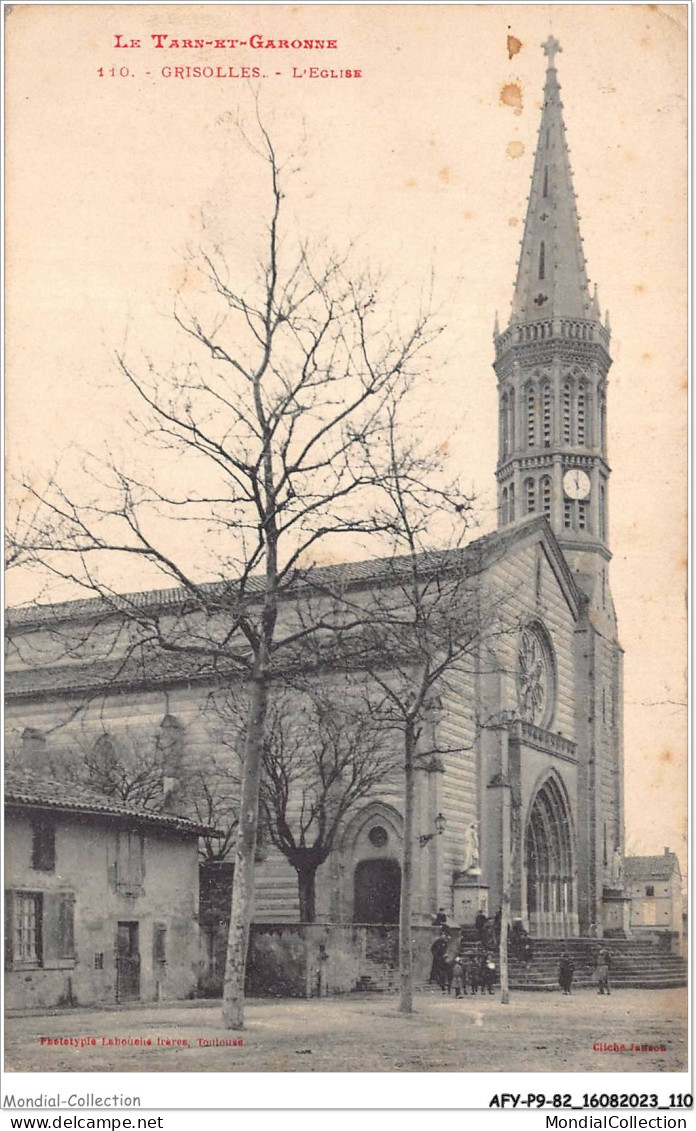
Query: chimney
667, 852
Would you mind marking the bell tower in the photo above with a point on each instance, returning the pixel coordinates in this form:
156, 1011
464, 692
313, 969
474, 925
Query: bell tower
552, 362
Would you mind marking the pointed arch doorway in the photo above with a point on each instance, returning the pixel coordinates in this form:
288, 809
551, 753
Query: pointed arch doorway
550, 870
376, 891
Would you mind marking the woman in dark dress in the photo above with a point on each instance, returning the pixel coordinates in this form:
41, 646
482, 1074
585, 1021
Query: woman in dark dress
566, 970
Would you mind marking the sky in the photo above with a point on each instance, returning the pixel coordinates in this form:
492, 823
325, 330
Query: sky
423, 162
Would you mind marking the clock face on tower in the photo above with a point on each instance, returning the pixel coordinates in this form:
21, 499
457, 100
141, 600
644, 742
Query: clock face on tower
576, 483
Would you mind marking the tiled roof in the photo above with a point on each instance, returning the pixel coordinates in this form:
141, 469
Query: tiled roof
159, 667
345, 574
23, 787
651, 867
121, 673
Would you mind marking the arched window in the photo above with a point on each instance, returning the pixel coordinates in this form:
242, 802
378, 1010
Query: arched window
529, 496
602, 513
542, 260
537, 580
103, 765
546, 496
504, 506
581, 418
546, 414
567, 400
170, 740
504, 425
603, 420
512, 502
511, 426
531, 416
546, 181
33, 750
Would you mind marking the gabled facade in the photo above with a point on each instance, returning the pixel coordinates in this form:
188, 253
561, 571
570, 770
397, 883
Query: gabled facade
101, 898
654, 885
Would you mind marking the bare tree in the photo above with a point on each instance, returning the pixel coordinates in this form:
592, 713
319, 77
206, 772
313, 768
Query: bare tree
274, 425
319, 761
324, 751
425, 621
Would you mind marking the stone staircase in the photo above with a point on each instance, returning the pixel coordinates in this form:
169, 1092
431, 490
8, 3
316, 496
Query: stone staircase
636, 963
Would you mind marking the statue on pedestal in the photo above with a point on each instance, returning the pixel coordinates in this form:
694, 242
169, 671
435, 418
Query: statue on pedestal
471, 848
617, 868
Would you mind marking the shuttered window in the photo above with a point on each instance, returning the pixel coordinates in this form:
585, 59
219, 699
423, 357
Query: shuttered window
43, 846
130, 862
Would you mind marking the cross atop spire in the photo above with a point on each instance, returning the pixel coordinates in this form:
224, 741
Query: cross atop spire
551, 48
551, 278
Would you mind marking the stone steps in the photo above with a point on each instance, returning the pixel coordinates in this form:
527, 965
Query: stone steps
636, 964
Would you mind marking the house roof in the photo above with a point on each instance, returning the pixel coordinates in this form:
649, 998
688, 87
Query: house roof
24, 788
651, 867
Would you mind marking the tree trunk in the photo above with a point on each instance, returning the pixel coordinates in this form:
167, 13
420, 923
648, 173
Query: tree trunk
406, 905
504, 970
306, 889
243, 887
506, 861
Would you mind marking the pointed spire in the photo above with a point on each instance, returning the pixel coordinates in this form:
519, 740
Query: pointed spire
596, 309
496, 327
551, 278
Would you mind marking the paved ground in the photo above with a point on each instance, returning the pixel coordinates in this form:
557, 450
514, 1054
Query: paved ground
536, 1032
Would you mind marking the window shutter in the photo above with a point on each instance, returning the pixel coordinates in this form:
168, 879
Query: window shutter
58, 926
51, 927
43, 856
137, 850
66, 924
9, 929
159, 943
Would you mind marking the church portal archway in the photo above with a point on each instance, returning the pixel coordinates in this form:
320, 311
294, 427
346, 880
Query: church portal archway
550, 864
376, 891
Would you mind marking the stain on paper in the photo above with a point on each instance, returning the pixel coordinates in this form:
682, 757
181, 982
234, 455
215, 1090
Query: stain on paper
513, 45
511, 95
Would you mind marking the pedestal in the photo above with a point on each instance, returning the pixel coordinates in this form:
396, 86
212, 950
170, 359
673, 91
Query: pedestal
469, 897
616, 913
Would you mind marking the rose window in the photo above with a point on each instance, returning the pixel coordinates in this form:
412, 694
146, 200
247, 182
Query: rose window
535, 679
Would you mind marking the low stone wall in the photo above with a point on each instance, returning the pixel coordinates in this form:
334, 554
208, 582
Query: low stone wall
319, 959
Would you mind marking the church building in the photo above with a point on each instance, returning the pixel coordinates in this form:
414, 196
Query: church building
528, 792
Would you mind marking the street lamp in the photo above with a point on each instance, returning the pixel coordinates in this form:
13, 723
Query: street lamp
440, 823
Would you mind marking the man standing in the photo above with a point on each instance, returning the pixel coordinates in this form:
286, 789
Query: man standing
603, 966
439, 951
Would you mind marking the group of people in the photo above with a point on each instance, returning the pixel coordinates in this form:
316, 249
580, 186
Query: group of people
566, 971
475, 969
469, 970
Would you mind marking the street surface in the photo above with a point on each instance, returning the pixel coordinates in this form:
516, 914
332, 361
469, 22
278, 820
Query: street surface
542, 1032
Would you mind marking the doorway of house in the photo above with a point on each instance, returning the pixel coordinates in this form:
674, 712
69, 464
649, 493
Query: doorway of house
377, 890
127, 962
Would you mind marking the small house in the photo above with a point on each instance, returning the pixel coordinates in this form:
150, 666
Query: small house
101, 897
